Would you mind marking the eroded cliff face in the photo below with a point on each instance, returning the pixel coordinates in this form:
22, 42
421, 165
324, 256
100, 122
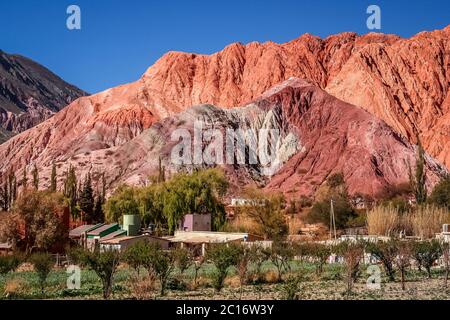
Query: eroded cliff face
319, 135
403, 82
30, 93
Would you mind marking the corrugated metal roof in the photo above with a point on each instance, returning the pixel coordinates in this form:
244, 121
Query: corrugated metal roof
82, 229
114, 234
105, 227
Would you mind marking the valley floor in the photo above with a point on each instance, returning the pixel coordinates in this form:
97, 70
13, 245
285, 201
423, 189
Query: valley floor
330, 285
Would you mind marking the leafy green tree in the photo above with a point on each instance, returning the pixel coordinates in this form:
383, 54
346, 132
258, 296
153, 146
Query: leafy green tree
183, 259
163, 264
151, 204
223, 256
440, 196
122, 202
200, 192
104, 264
318, 252
268, 211
43, 264
426, 253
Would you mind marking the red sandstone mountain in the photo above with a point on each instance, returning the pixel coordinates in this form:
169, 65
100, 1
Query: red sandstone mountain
320, 135
405, 82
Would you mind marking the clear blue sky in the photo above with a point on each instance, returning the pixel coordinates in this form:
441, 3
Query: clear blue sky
120, 39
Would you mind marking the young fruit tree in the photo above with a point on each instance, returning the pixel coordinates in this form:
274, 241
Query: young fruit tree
104, 264
223, 256
403, 259
385, 252
43, 264
352, 253
426, 253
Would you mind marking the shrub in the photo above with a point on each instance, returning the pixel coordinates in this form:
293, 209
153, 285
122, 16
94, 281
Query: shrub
336, 180
43, 264
14, 288
291, 287
141, 287
10, 263
223, 257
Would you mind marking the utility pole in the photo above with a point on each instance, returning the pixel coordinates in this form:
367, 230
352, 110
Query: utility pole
332, 221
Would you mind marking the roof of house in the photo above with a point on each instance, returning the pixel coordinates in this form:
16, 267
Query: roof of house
77, 232
118, 240
99, 230
206, 237
115, 234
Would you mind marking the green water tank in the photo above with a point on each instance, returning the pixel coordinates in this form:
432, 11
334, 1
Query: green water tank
132, 224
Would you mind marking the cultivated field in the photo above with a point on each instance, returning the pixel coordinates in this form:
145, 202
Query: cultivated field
24, 284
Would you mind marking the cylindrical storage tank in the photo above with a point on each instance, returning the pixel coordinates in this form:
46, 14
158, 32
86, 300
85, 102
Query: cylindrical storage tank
132, 224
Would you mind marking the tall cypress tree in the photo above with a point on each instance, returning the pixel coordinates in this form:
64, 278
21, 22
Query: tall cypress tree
99, 215
418, 179
70, 191
86, 200
53, 183
25, 178
5, 196
12, 188
35, 174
